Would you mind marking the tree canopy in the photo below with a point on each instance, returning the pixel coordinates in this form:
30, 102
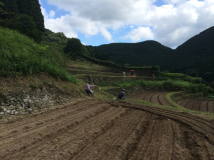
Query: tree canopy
24, 16
73, 47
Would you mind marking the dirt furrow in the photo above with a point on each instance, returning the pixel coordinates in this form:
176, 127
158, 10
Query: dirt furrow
154, 99
143, 138
163, 100
12, 141
129, 134
122, 136
154, 144
53, 122
166, 148
38, 138
204, 106
187, 119
67, 109
76, 142
105, 142
179, 151
211, 107
110, 130
148, 97
94, 148
196, 105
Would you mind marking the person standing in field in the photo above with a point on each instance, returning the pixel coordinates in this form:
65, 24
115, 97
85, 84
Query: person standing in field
88, 88
121, 94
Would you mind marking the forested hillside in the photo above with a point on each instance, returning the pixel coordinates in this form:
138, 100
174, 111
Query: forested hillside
139, 54
24, 16
61, 39
196, 54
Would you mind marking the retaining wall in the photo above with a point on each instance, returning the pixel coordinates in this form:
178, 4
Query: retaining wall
32, 100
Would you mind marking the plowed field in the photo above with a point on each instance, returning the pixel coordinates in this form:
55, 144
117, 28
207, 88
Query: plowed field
154, 97
204, 105
94, 129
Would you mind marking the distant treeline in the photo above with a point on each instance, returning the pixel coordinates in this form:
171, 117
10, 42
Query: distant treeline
74, 45
194, 56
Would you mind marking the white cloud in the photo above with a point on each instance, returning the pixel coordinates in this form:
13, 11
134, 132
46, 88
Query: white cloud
173, 23
51, 14
174, 1
139, 34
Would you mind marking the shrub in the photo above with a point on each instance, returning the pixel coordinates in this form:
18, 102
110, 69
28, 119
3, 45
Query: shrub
156, 68
168, 83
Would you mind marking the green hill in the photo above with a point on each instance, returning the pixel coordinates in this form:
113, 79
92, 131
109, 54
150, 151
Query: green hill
196, 54
138, 54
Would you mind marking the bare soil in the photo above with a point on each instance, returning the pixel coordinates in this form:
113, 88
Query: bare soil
204, 105
154, 97
95, 129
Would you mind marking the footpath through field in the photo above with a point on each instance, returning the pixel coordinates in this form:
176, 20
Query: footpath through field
95, 129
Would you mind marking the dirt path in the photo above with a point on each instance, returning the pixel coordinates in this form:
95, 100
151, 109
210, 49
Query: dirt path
204, 105
94, 129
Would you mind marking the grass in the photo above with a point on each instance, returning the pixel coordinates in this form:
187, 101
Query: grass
127, 83
20, 55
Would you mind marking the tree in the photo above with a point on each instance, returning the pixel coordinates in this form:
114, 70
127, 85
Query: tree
194, 74
24, 16
73, 47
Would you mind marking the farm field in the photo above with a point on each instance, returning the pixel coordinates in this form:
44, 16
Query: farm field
154, 97
95, 129
204, 105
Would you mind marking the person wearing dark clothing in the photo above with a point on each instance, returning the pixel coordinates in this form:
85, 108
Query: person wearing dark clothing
121, 94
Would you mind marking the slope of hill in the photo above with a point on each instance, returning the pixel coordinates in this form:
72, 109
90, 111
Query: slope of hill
197, 54
138, 54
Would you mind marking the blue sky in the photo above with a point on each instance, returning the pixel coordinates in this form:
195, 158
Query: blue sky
96, 22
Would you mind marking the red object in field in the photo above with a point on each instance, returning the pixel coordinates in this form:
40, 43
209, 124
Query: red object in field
132, 73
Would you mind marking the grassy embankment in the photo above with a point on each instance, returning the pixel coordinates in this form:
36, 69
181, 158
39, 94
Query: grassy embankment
20, 55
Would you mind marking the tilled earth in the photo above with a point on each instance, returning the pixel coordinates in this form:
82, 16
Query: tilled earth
95, 129
154, 97
204, 105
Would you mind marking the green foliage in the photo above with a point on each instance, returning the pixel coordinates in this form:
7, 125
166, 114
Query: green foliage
73, 47
195, 54
57, 54
24, 16
20, 55
199, 88
212, 84
147, 53
178, 77
96, 53
156, 68
194, 74
57, 38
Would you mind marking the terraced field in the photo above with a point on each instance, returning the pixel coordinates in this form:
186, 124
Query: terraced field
94, 129
154, 97
204, 105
